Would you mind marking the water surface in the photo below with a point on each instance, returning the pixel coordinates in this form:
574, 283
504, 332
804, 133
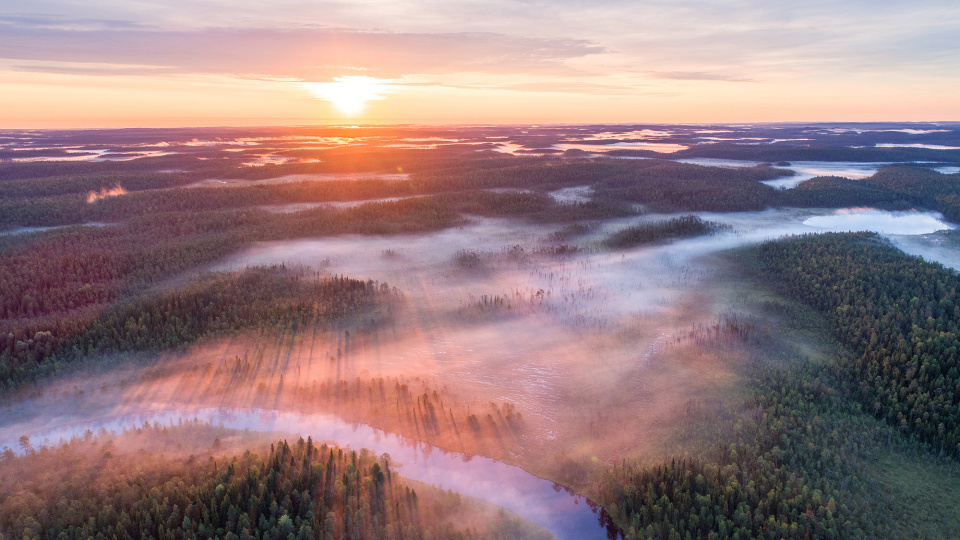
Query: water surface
565, 515
880, 221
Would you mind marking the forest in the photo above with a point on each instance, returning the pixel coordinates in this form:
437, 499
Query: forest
796, 466
96, 486
660, 231
665, 185
213, 305
795, 461
57, 283
918, 185
640, 338
660, 185
821, 152
897, 314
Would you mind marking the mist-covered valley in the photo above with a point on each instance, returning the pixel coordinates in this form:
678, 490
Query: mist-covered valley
606, 347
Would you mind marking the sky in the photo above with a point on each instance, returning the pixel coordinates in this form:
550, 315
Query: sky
131, 63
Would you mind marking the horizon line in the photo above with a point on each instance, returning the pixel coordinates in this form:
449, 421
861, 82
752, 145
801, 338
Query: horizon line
366, 125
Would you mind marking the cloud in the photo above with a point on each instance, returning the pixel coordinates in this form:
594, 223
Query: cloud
755, 39
66, 23
91, 69
571, 87
696, 76
302, 53
568, 86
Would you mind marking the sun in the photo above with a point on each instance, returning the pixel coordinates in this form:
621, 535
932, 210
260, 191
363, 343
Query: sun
350, 94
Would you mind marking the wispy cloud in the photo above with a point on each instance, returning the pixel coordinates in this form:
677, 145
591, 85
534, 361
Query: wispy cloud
559, 86
303, 53
696, 76
707, 59
55, 22
90, 69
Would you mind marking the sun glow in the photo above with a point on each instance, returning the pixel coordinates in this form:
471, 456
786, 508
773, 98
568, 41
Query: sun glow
350, 94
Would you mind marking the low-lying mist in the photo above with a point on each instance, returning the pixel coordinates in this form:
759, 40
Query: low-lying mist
509, 342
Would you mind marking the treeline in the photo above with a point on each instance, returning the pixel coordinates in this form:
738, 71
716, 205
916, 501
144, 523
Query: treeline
836, 192
795, 460
67, 269
661, 185
921, 186
35, 188
794, 463
664, 185
54, 193
776, 474
817, 153
86, 489
199, 162
77, 169
538, 207
73, 208
59, 282
218, 303
355, 159
892, 188
898, 314
659, 231
59, 196
898, 187
668, 186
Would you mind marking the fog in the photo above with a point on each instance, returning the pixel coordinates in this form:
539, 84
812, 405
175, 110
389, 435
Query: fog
932, 247
803, 170
571, 195
534, 499
298, 207
566, 327
509, 354
29, 230
506, 342
577, 343
293, 178
103, 193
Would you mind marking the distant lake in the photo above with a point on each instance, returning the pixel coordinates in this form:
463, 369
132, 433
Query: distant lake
868, 219
917, 145
665, 148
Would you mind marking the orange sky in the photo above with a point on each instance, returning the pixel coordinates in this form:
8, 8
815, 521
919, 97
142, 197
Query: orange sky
109, 63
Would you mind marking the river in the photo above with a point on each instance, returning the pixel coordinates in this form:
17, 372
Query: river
565, 515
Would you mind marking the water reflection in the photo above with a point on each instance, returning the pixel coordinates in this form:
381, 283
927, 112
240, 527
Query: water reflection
666, 148
564, 514
867, 219
805, 170
918, 145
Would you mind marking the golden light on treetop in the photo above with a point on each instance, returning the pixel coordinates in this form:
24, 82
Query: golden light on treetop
350, 94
